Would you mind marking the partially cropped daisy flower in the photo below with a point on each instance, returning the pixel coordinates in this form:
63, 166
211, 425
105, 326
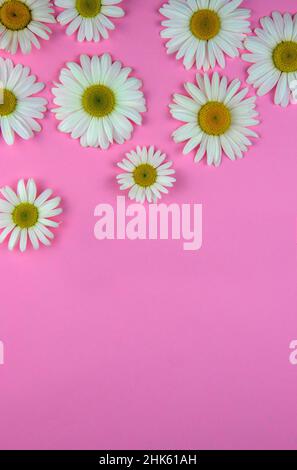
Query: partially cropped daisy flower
25, 216
216, 118
97, 100
18, 108
202, 31
89, 18
274, 56
146, 175
22, 22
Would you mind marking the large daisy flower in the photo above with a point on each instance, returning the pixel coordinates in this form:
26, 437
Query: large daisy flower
147, 175
216, 118
97, 101
22, 22
90, 18
18, 108
274, 56
23, 215
201, 31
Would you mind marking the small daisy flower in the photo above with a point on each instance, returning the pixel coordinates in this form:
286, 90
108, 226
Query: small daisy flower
22, 22
216, 118
274, 56
18, 108
146, 174
202, 31
97, 100
90, 18
25, 216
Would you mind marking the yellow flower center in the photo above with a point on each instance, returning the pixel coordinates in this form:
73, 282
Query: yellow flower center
8, 102
15, 15
25, 215
214, 118
88, 8
98, 100
285, 56
205, 24
145, 175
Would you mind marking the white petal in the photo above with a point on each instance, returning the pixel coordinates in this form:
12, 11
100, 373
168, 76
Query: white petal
22, 193
14, 237
23, 239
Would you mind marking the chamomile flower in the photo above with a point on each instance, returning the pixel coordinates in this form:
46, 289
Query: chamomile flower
25, 216
274, 56
18, 108
147, 175
97, 100
89, 18
22, 22
202, 31
216, 117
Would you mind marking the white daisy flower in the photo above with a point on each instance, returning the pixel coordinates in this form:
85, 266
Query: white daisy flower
202, 31
23, 215
18, 108
90, 18
274, 56
97, 101
216, 118
146, 174
22, 22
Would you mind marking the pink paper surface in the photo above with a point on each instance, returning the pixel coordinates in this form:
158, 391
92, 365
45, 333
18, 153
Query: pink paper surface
139, 344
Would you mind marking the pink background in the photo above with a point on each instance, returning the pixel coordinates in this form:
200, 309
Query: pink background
139, 344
